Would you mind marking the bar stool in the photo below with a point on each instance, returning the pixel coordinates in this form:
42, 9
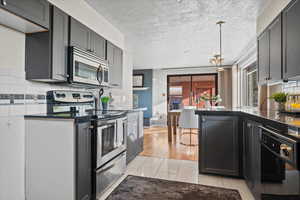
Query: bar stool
188, 120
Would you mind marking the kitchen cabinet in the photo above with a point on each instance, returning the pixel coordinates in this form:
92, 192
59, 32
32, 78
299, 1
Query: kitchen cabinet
114, 56
252, 156
218, 138
47, 52
291, 40
84, 164
79, 35
275, 50
135, 135
98, 45
86, 39
35, 11
264, 57
270, 53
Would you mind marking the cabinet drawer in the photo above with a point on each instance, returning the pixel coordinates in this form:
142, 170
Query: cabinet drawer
109, 173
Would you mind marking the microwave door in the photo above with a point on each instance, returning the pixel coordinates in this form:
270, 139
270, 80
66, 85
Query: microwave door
85, 70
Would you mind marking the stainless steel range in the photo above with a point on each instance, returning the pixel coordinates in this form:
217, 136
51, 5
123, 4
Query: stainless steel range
110, 131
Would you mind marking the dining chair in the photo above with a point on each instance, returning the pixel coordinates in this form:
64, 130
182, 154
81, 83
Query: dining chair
188, 120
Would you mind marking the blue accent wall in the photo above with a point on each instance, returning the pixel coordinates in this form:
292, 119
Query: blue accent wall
145, 96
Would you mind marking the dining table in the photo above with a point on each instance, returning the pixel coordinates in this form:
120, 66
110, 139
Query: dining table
172, 121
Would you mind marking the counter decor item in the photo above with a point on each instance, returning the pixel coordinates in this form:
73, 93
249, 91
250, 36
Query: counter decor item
280, 98
209, 100
105, 101
293, 103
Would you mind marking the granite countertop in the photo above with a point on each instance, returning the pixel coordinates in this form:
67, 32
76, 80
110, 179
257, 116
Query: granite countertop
275, 116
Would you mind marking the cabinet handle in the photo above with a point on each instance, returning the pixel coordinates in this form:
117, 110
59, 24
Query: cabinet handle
4, 2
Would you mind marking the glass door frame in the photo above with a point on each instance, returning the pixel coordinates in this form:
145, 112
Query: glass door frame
191, 85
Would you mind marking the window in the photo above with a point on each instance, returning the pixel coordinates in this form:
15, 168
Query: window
250, 86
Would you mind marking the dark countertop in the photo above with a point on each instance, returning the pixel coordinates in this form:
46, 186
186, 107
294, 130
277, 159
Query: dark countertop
261, 116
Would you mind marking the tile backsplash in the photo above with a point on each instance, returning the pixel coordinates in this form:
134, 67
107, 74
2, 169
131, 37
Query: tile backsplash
291, 87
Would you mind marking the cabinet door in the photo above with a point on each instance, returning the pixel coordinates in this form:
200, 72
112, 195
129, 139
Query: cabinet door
36, 11
219, 140
263, 57
110, 53
84, 162
140, 132
276, 50
291, 31
80, 35
98, 45
247, 154
59, 44
252, 157
256, 159
132, 137
116, 69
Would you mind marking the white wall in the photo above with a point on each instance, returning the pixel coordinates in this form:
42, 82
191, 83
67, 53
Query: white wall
159, 90
12, 81
268, 15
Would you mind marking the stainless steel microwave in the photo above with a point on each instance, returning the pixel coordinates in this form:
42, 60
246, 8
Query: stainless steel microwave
86, 68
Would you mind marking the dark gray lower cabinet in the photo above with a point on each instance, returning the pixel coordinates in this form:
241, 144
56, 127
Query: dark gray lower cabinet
47, 52
135, 135
219, 148
84, 164
252, 156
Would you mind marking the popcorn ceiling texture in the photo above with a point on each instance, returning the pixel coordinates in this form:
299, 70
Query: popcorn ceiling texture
165, 33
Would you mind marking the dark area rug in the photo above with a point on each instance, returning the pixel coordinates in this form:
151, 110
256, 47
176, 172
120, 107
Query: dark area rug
142, 188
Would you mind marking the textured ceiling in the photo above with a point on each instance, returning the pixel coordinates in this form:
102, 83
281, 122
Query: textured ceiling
167, 34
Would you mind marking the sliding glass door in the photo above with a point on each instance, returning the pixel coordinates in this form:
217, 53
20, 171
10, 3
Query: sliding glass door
184, 90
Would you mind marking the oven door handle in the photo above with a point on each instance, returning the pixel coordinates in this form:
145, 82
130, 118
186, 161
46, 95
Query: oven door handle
276, 134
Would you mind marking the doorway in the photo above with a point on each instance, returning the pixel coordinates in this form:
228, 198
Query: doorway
184, 90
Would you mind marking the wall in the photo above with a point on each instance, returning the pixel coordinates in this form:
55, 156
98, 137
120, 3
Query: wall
145, 96
160, 88
270, 13
12, 81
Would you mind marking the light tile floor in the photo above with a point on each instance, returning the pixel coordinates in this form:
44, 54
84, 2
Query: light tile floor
179, 170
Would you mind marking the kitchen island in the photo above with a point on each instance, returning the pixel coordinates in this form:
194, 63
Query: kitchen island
238, 143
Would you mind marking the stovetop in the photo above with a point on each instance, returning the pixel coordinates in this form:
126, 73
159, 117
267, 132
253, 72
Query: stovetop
88, 114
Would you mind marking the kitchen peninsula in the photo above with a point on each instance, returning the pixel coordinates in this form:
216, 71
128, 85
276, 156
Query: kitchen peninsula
260, 146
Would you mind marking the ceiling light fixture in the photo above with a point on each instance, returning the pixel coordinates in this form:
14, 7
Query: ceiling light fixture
217, 59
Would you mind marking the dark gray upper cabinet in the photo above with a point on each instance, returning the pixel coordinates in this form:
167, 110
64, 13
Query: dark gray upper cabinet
114, 56
47, 52
264, 57
84, 162
276, 50
110, 53
219, 148
36, 11
80, 35
86, 39
291, 40
98, 45
59, 45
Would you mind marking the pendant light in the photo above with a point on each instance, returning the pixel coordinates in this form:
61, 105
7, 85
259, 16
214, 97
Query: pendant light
217, 59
